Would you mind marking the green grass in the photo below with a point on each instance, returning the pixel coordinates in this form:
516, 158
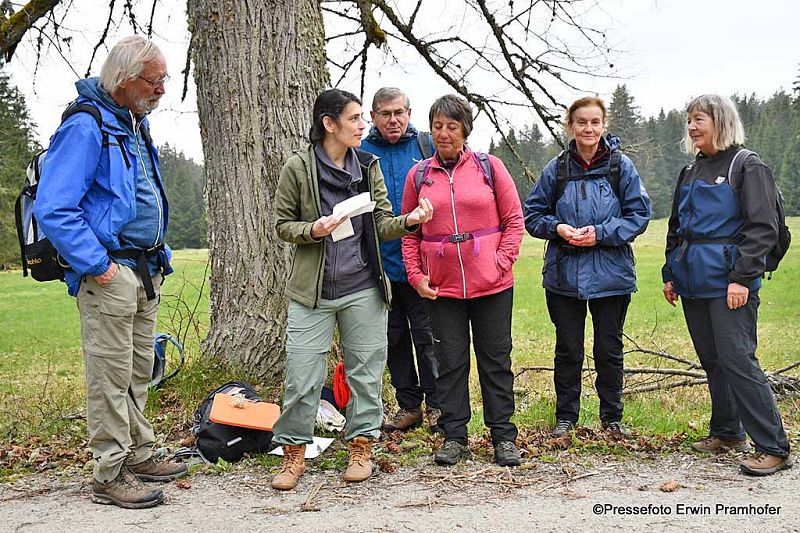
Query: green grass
42, 390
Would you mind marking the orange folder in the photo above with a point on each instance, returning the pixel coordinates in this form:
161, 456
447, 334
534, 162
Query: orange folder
254, 415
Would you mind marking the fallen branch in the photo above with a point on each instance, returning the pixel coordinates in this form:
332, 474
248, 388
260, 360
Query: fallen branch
308, 504
635, 370
664, 385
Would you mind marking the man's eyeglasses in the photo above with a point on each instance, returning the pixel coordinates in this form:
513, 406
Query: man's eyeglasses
157, 83
387, 115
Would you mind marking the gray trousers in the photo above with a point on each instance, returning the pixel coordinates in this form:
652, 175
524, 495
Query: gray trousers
361, 318
117, 328
741, 399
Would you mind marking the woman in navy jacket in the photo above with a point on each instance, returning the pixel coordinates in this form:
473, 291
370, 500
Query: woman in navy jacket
590, 204
719, 235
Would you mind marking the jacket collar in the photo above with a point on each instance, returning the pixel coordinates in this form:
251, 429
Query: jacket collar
375, 136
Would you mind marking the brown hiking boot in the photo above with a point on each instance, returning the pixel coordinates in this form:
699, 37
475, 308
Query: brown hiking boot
152, 470
294, 464
126, 491
764, 464
712, 444
432, 415
359, 466
404, 419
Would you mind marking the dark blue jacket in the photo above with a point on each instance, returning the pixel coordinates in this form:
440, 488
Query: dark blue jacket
606, 269
717, 236
88, 192
395, 160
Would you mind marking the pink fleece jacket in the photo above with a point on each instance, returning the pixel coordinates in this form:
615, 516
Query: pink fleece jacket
464, 203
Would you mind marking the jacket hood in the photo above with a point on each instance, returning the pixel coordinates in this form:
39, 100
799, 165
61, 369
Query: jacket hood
376, 137
91, 89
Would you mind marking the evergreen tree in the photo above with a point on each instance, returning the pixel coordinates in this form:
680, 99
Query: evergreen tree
184, 181
17, 147
623, 117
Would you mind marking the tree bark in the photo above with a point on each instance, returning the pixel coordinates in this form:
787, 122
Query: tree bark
259, 65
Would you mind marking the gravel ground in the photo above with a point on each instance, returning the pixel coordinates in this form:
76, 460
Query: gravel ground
574, 496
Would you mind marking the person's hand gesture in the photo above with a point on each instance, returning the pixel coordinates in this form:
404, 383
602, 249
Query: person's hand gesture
586, 236
669, 294
425, 290
421, 214
324, 226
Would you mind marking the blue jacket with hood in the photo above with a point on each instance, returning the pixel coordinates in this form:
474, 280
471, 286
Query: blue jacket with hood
606, 269
94, 199
395, 160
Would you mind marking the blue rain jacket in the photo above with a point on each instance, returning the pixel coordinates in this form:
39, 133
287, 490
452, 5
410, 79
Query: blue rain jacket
606, 269
87, 191
395, 160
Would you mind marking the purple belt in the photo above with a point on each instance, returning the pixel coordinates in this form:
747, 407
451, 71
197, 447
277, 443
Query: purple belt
462, 237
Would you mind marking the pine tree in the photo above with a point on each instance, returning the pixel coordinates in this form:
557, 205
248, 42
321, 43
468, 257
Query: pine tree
17, 147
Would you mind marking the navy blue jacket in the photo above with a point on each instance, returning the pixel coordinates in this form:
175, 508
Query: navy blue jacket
606, 269
88, 192
715, 235
395, 160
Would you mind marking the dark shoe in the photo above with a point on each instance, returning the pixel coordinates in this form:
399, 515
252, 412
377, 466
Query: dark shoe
450, 453
126, 491
506, 453
404, 419
294, 464
617, 430
763, 464
432, 415
359, 464
716, 445
562, 428
152, 470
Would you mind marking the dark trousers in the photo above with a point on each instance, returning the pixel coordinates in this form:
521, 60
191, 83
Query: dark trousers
569, 317
409, 321
741, 399
490, 320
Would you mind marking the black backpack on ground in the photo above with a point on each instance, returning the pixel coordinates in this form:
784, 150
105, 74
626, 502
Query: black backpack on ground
215, 441
774, 256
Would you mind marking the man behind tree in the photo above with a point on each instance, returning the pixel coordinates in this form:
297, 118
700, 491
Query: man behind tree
102, 204
400, 146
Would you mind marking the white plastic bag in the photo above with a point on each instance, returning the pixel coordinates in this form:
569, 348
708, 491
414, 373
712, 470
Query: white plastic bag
328, 418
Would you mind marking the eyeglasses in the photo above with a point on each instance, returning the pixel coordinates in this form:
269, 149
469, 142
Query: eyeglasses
387, 115
158, 83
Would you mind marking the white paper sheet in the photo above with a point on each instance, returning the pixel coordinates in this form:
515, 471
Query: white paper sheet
353, 206
313, 450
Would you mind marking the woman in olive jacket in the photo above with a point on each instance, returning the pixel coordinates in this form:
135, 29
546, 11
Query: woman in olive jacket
335, 282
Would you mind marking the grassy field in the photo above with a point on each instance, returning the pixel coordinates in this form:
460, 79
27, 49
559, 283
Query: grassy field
41, 369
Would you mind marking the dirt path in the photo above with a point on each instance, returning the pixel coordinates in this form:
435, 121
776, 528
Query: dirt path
474, 497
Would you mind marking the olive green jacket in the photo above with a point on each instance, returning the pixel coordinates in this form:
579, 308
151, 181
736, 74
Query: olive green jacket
298, 206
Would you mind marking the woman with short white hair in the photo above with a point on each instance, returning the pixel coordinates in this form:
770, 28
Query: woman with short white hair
722, 227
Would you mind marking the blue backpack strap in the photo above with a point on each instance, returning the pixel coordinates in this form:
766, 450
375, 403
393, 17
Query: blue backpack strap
425, 144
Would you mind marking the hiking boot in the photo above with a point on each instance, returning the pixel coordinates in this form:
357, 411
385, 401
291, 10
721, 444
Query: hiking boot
506, 453
294, 464
616, 430
152, 470
404, 419
359, 464
712, 444
432, 415
126, 491
450, 453
764, 464
562, 428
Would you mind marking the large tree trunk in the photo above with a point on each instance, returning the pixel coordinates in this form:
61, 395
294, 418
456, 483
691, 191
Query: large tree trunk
258, 67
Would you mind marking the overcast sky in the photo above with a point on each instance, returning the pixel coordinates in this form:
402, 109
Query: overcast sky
672, 50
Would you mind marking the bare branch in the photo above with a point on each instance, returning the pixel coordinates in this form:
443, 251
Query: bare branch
13, 28
102, 37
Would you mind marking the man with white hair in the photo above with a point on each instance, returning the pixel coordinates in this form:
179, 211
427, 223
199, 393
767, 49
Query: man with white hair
102, 204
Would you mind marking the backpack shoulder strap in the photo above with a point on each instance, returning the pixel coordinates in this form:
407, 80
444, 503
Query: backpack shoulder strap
425, 144
614, 171
736, 169
562, 174
421, 173
486, 167
74, 108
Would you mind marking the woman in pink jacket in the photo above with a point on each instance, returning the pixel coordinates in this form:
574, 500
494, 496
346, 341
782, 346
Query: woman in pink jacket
461, 262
